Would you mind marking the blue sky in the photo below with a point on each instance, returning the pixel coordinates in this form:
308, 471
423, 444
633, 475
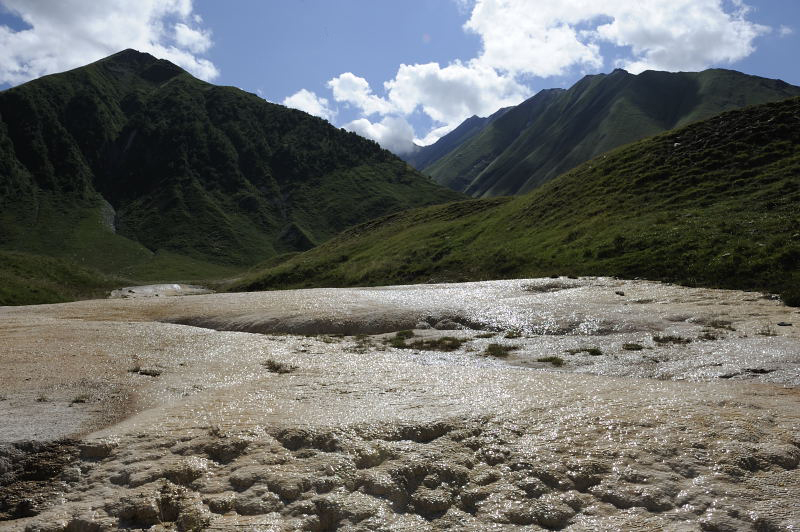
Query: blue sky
403, 71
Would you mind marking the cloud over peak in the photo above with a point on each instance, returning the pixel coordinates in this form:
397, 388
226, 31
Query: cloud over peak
550, 39
65, 34
522, 40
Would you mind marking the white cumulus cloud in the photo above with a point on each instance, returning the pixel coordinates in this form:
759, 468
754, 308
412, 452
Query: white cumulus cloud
546, 39
393, 132
453, 93
309, 102
539, 38
195, 39
448, 95
525, 39
682, 35
65, 34
354, 90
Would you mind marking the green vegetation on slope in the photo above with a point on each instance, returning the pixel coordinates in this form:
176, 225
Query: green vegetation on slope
30, 279
556, 130
712, 204
131, 166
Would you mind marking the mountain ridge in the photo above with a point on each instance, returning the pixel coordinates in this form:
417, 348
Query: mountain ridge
549, 134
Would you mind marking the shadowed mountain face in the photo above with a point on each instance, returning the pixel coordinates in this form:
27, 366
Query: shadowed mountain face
424, 156
710, 204
130, 156
556, 130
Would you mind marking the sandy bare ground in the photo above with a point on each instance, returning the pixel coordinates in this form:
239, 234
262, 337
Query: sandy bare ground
619, 405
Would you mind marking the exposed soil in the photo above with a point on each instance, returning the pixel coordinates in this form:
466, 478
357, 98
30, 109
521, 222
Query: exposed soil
671, 408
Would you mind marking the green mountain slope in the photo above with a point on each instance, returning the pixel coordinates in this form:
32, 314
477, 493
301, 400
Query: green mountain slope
131, 166
712, 204
426, 155
556, 130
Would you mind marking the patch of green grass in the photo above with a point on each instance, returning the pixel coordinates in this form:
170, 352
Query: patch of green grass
592, 351
445, 343
275, 366
498, 350
720, 324
33, 279
632, 347
671, 339
554, 360
708, 335
398, 341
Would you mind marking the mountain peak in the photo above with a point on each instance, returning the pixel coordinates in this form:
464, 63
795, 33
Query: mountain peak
142, 64
129, 56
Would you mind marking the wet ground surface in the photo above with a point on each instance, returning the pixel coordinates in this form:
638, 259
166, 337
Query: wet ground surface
578, 404
158, 290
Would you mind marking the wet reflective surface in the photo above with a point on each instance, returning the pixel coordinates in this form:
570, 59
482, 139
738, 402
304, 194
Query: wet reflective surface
618, 405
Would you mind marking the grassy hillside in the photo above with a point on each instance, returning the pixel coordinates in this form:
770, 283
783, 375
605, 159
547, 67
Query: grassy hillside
132, 167
556, 130
30, 279
711, 204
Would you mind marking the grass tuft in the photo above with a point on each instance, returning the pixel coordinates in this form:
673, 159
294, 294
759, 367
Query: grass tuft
554, 360
275, 366
671, 339
498, 350
592, 351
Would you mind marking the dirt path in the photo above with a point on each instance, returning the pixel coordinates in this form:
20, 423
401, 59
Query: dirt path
185, 418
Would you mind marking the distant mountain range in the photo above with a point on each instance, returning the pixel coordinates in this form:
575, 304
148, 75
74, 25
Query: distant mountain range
133, 167
712, 204
520, 148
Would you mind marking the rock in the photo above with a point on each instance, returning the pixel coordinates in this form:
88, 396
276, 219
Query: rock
430, 503
97, 449
253, 502
221, 504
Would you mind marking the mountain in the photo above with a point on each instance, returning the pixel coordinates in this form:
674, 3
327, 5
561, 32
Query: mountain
426, 155
710, 204
556, 130
131, 166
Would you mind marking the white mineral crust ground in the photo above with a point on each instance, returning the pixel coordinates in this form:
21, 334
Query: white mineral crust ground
673, 409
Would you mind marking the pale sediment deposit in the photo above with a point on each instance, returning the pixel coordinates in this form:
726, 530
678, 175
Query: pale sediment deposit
576, 404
